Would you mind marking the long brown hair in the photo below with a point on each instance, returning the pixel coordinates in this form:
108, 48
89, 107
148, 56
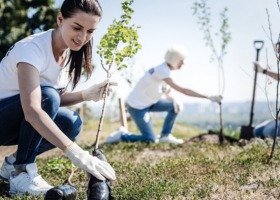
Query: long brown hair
80, 60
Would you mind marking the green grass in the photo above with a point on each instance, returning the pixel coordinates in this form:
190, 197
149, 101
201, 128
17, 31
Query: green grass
188, 171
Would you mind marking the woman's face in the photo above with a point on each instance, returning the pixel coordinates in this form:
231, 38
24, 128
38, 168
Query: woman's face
77, 30
180, 64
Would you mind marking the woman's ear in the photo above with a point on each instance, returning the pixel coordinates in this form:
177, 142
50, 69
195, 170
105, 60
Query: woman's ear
59, 19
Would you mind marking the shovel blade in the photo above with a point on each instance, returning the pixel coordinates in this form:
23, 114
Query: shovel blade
246, 132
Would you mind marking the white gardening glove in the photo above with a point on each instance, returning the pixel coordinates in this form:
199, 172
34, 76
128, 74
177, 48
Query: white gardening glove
178, 105
96, 91
89, 163
216, 98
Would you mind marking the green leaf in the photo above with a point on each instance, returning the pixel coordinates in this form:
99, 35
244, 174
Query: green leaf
120, 41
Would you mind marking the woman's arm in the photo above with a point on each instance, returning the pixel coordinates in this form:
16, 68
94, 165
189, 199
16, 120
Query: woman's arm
30, 95
71, 98
93, 93
185, 91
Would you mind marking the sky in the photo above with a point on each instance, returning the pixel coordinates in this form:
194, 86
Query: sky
164, 23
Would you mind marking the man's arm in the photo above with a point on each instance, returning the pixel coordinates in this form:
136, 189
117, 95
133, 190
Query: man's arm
268, 72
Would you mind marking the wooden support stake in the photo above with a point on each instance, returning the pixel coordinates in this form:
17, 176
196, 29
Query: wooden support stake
123, 117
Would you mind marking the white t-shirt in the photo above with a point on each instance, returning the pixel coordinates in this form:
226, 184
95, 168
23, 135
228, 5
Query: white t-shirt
37, 51
149, 89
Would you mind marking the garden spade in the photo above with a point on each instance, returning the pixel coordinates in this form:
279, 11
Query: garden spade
247, 131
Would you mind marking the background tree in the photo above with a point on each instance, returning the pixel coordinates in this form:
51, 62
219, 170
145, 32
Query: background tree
276, 49
20, 18
222, 37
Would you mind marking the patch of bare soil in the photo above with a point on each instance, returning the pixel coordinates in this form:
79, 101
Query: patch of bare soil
211, 138
6, 150
205, 137
152, 155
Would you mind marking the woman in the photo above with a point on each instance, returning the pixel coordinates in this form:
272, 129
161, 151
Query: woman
146, 97
31, 96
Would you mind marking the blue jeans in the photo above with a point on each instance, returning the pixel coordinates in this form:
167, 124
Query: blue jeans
143, 121
15, 130
266, 129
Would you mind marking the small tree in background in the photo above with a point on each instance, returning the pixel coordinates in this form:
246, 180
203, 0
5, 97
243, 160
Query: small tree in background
276, 48
203, 14
20, 18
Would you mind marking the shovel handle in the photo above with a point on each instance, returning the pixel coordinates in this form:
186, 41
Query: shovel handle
258, 46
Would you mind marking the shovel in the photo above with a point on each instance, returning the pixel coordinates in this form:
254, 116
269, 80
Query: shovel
247, 131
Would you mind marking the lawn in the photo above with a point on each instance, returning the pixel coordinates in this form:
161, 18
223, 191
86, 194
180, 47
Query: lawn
193, 170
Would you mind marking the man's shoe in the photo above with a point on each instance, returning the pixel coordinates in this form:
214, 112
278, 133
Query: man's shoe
30, 182
116, 136
6, 170
170, 139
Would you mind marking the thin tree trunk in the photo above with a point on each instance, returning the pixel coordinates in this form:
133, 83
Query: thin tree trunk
221, 135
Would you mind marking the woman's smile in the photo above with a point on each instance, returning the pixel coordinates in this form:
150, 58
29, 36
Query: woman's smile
78, 44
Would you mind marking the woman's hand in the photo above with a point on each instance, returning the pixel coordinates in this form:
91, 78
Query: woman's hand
91, 164
96, 91
216, 98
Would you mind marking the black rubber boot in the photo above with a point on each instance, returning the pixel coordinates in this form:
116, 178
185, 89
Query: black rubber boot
97, 189
63, 192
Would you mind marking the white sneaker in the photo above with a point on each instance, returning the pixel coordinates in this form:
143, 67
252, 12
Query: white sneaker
6, 170
30, 182
170, 139
116, 136
123, 129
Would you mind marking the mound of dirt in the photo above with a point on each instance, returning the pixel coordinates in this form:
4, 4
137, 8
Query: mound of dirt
211, 138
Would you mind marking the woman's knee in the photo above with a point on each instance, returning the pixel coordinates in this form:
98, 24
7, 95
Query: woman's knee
76, 128
69, 122
50, 99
